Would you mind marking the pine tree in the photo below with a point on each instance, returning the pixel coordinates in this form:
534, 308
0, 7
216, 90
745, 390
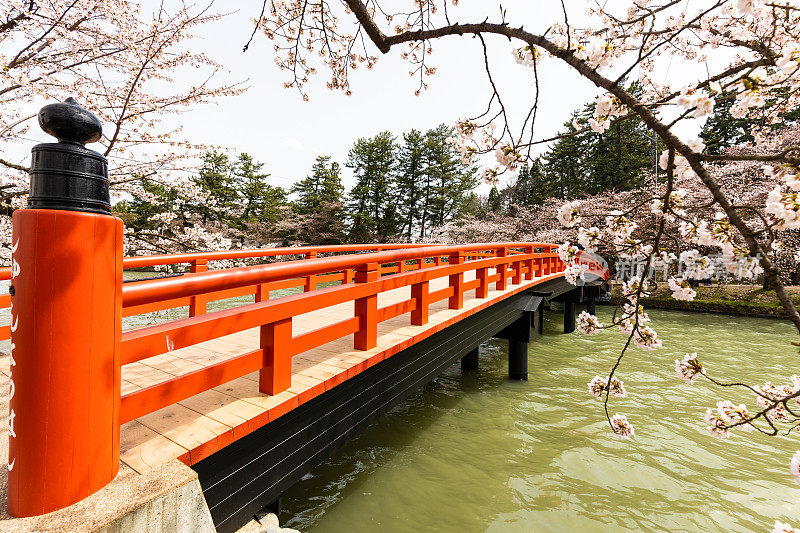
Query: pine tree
532, 186
495, 201
372, 203
452, 180
317, 214
589, 162
619, 158
564, 162
257, 198
324, 185
722, 129
217, 182
411, 181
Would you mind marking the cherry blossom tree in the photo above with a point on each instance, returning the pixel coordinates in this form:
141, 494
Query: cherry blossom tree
755, 46
131, 67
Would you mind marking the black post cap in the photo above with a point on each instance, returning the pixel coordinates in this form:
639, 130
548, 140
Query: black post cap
67, 175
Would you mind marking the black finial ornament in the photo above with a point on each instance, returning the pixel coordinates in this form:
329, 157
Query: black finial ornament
67, 121
66, 175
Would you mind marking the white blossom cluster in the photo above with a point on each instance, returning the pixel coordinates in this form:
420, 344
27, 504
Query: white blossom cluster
588, 324
782, 202
689, 367
606, 109
725, 416
599, 385
681, 290
526, 56
621, 427
569, 214
699, 102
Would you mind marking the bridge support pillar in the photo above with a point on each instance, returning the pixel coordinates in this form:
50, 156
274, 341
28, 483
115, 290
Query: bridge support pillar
590, 304
539, 320
517, 359
470, 361
569, 316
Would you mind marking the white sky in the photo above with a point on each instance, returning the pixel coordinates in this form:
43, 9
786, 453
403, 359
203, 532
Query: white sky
276, 127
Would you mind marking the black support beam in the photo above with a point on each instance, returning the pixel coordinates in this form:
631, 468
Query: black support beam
470, 361
517, 359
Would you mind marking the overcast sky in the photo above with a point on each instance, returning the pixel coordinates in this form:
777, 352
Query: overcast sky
275, 126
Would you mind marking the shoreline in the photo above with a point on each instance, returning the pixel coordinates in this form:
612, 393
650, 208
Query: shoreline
732, 300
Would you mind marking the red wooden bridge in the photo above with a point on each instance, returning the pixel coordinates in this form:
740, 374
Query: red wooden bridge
254, 394
189, 387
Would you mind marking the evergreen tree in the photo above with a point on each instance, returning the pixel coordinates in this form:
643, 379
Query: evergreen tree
618, 159
452, 180
218, 184
532, 186
372, 204
324, 185
564, 162
589, 162
258, 200
412, 181
139, 210
317, 215
495, 201
722, 129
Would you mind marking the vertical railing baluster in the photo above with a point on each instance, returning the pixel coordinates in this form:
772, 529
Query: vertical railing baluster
517, 277
275, 375
366, 309
419, 293
456, 301
198, 303
502, 283
483, 289
262, 292
311, 282
529, 264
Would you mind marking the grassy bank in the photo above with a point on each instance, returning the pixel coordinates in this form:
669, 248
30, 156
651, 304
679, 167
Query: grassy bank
738, 300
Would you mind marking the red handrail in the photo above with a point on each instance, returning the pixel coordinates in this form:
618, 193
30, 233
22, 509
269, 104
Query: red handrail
142, 261
273, 358
174, 259
213, 281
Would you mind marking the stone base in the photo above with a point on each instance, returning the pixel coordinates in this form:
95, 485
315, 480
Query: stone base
165, 499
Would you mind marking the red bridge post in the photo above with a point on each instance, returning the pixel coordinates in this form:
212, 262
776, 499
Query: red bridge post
419, 293
276, 374
366, 309
198, 303
502, 283
456, 301
529, 272
66, 291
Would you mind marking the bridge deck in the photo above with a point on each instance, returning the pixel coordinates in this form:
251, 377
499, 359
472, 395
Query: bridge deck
193, 429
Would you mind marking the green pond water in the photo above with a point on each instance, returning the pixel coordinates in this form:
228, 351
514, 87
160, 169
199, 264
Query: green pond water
477, 452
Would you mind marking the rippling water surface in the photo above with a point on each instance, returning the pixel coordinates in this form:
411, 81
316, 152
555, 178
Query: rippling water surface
480, 453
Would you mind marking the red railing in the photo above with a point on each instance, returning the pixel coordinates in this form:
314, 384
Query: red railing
198, 262
362, 277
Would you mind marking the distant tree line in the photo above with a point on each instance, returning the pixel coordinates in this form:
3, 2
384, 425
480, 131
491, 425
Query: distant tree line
403, 188
583, 163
